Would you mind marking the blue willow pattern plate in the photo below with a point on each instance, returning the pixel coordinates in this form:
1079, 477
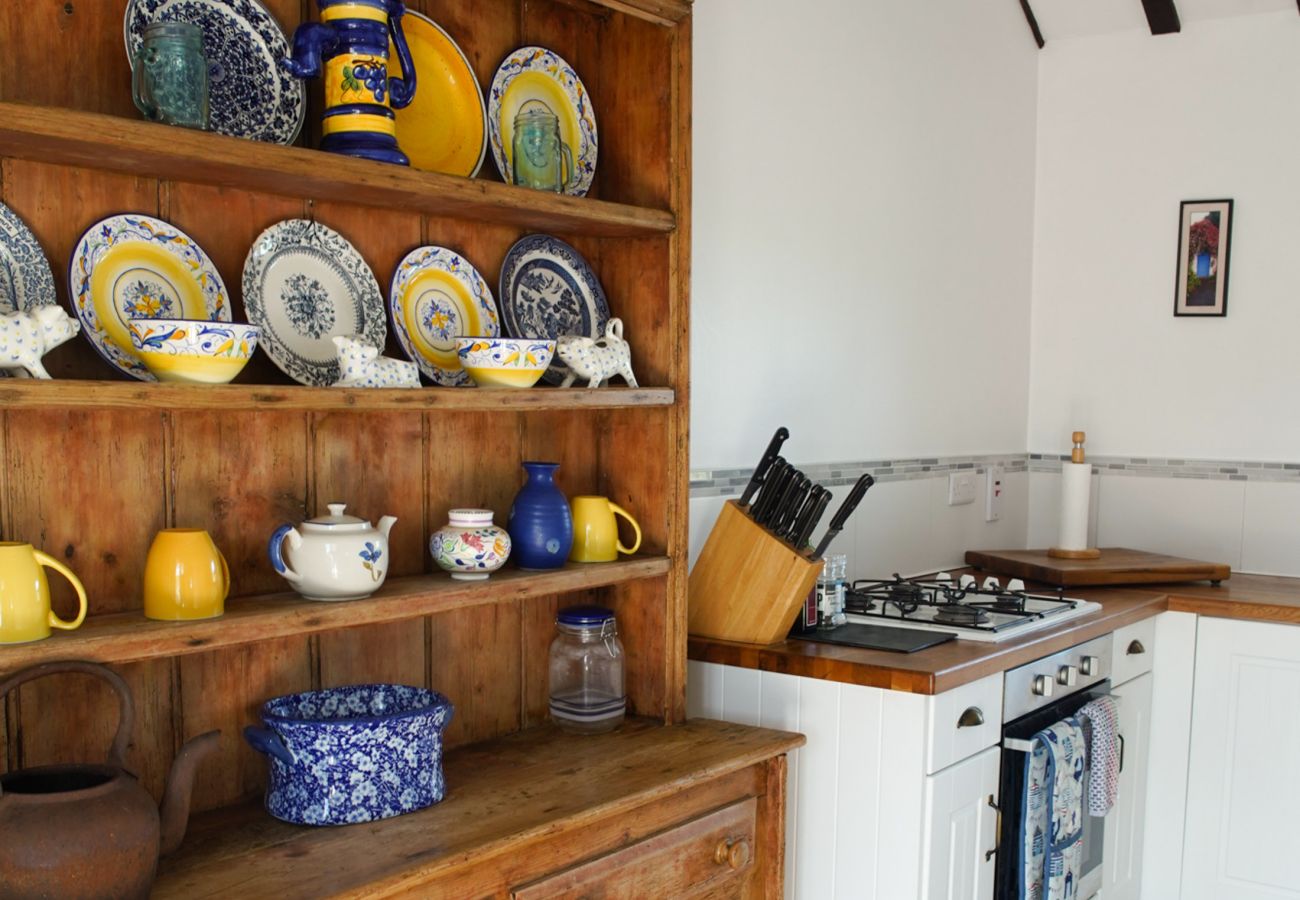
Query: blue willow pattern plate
304, 284
547, 290
25, 276
436, 297
536, 77
131, 267
250, 96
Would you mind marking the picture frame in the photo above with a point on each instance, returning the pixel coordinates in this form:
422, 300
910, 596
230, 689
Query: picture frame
1204, 244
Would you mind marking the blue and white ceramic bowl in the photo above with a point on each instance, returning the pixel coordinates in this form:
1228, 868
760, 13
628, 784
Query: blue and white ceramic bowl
193, 351
352, 754
504, 362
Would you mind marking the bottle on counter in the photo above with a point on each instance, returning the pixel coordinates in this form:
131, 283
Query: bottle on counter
832, 584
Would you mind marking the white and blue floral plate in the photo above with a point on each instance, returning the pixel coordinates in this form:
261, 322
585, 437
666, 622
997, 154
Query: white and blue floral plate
436, 297
547, 289
25, 276
305, 284
537, 78
250, 96
133, 266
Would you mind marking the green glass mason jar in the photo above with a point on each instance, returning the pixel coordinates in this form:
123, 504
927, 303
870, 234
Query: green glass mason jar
170, 75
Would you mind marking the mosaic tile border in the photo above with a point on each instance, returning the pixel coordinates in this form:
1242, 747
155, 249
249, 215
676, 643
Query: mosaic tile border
1164, 467
730, 482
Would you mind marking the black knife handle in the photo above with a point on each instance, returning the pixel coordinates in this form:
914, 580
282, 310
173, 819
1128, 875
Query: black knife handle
773, 485
765, 463
842, 514
803, 520
786, 509
818, 510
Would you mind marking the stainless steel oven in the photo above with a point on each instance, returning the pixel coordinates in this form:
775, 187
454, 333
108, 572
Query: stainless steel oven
1035, 696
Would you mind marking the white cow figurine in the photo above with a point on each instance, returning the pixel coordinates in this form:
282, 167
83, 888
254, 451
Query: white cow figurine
596, 360
361, 366
27, 335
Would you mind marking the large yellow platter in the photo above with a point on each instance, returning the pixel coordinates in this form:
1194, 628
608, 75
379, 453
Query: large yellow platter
444, 129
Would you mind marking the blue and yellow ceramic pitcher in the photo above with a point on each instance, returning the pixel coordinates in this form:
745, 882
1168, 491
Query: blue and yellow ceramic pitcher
352, 40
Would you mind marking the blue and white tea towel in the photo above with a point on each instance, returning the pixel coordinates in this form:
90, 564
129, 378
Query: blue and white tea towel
1100, 721
1052, 837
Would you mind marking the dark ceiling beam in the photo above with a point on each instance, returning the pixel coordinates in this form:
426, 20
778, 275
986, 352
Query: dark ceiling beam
1033, 22
1162, 16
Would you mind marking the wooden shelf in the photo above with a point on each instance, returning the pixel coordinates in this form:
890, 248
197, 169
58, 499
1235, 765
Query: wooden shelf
661, 12
17, 393
75, 138
130, 637
536, 786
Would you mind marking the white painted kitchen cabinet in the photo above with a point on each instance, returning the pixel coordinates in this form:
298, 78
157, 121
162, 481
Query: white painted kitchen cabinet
1122, 874
960, 829
1242, 839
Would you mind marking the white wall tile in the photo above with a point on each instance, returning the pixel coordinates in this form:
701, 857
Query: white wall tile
893, 529
704, 512
1196, 518
1271, 529
956, 529
1044, 509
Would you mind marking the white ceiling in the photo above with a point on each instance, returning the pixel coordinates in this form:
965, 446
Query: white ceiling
1058, 19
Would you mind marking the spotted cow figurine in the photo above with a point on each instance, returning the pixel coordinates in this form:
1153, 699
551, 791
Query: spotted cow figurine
27, 335
596, 360
361, 366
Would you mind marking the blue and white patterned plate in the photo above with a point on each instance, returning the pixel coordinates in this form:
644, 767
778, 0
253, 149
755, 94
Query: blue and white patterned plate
250, 96
436, 297
25, 276
546, 290
137, 267
303, 285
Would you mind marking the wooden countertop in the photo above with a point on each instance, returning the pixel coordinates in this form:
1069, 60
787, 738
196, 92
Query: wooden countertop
941, 668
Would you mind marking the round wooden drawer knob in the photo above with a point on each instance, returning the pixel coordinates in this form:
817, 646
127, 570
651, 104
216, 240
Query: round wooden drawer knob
732, 853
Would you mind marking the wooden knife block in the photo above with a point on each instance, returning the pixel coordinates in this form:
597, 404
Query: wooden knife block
746, 586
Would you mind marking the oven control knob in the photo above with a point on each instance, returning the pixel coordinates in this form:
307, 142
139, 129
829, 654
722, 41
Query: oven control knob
1043, 685
1068, 676
1090, 665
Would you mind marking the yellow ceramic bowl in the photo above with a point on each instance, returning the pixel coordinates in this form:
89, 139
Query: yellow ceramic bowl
504, 362
191, 351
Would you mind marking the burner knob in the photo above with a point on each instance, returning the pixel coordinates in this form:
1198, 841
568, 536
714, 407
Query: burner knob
991, 584
1090, 665
1043, 685
966, 581
1015, 584
1068, 676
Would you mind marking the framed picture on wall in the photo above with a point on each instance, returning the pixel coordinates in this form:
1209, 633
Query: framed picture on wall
1204, 236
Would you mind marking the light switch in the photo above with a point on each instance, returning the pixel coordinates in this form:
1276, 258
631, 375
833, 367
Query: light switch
961, 488
992, 493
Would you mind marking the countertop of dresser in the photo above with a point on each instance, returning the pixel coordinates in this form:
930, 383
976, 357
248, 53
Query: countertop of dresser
946, 666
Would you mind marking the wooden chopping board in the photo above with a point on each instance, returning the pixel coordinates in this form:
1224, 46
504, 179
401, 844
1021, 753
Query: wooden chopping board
1116, 565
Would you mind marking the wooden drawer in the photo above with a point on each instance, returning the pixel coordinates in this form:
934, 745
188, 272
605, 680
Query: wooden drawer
1134, 651
694, 859
963, 721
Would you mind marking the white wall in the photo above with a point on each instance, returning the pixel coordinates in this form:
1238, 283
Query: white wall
1128, 126
863, 203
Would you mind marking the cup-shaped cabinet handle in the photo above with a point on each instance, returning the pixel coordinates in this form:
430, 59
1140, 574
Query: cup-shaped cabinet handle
1135, 648
971, 718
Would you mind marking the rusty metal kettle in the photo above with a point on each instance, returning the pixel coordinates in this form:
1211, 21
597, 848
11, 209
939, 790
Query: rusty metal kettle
88, 830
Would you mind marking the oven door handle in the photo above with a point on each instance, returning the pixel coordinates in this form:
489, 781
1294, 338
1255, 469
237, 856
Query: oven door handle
1020, 745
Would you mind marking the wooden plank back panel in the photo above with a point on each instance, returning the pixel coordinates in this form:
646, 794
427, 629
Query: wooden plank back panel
472, 461
240, 475
392, 653
474, 661
225, 690
636, 275
639, 488
639, 610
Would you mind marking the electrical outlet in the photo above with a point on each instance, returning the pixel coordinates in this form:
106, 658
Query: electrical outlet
992, 493
961, 488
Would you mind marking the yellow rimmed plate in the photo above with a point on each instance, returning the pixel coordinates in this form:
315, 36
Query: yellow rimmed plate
444, 129
534, 77
137, 267
436, 297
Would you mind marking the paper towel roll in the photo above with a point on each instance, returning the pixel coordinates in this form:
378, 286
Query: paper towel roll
1076, 492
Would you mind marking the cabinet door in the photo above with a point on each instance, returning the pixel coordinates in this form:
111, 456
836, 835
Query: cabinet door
961, 829
1241, 841
1122, 877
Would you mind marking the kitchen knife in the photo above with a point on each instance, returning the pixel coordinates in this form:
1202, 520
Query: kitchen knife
767, 494
769, 457
795, 491
842, 514
802, 518
820, 498
779, 484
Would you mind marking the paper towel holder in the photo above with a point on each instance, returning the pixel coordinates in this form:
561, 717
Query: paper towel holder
1076, 458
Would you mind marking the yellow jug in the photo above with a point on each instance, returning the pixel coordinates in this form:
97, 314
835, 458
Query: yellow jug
25, 613
595, 533
185, 576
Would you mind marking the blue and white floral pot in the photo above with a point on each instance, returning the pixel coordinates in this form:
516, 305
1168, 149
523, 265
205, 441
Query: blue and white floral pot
352, 754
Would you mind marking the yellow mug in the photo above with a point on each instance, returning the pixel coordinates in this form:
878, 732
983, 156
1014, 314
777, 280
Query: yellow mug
595, 533
185, 576
25, 613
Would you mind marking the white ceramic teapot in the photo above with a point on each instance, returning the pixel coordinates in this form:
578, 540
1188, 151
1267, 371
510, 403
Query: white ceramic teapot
333, 557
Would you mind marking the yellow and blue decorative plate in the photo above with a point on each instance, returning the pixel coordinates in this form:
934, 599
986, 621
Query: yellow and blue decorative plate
137, 267
444, 129
534, 77
436, 297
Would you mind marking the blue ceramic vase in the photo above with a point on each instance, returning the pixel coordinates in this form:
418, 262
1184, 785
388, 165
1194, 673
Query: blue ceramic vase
541, 525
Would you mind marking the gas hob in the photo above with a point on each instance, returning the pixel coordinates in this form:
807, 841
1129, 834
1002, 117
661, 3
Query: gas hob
971, 610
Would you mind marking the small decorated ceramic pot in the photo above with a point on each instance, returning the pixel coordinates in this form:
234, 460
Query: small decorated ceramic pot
470, 547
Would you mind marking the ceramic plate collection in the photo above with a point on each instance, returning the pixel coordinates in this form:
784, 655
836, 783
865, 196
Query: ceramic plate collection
536, 77
138, 267
547, 289
436, 297
250, 96
303, 285
444, 129
25, 276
